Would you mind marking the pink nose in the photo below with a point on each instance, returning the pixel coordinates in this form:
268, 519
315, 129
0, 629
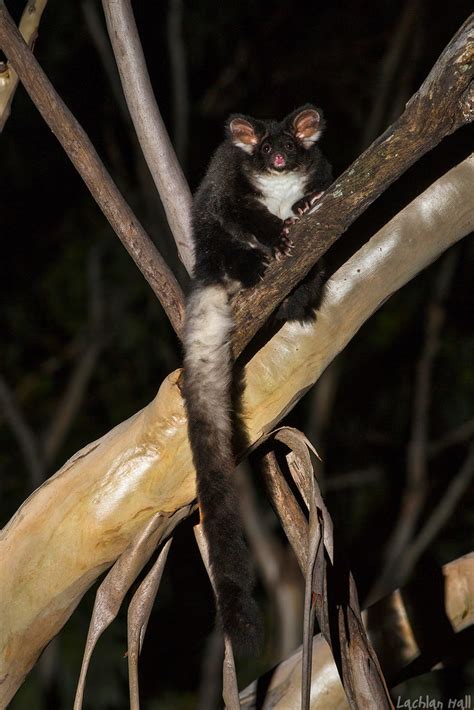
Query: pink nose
279, 161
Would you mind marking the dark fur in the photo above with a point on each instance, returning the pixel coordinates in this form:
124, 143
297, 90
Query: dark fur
226, 212
235, 236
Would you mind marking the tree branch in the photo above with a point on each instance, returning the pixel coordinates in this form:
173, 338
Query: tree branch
151, 130
389, 71
25, 437
85, 159
83, 367
444, 102
458, 435
440, 514
97, 31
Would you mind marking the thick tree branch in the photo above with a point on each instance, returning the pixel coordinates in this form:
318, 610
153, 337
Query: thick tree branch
85, 159
114, 485
151, 130
443, 103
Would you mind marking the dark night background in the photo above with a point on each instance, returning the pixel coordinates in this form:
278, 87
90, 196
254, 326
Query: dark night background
264, 59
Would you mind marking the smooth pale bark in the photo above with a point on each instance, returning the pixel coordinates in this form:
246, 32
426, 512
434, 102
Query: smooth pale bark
151, 130
81, 519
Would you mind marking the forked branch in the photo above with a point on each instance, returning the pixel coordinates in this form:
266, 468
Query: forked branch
90, 167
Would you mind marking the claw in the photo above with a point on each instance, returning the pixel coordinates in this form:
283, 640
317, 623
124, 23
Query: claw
316, 197
308, 203
284, 249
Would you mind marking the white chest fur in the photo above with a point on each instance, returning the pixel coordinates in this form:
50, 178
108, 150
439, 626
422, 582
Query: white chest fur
280, 191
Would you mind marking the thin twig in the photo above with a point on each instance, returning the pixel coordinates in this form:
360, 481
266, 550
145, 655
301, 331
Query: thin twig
71, 400
95, 24
84, 366
354, 479
39, 452
389, 65
455, 436
394, 572
24, 435
84, 157
151, 131
441, 513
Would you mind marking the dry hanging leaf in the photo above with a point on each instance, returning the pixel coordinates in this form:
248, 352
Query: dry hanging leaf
118, 581
139, 612
330, 593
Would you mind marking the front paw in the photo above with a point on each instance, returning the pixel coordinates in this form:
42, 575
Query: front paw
306, 203
248, 266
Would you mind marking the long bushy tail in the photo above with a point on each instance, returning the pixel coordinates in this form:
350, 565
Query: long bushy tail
208, 397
